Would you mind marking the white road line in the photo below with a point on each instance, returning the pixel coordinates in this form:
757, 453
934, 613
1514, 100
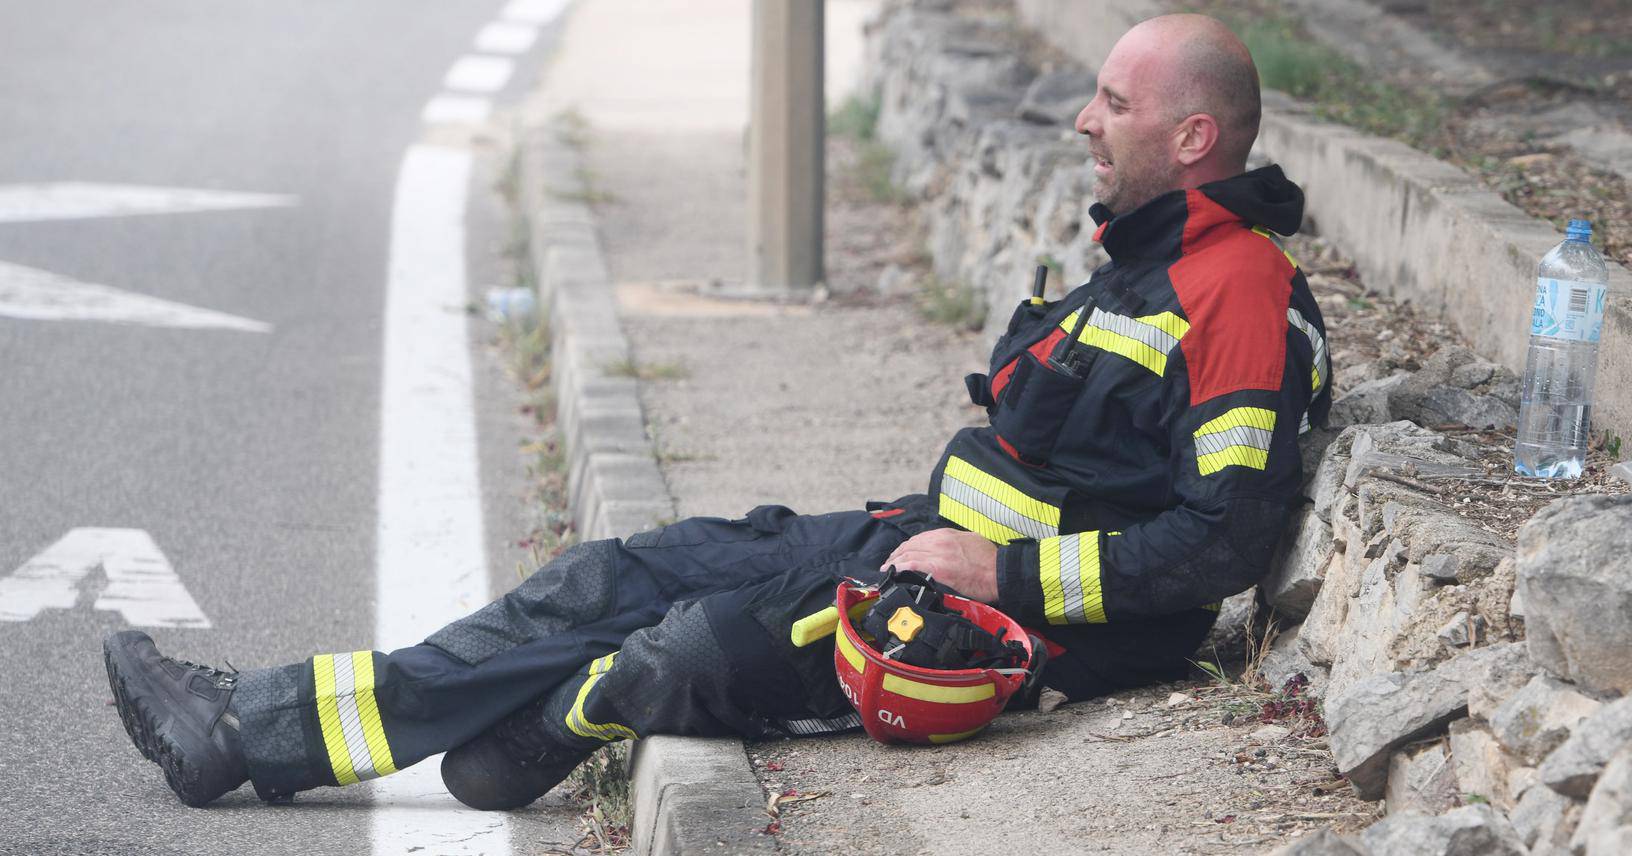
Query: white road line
431, 564
456, 110
506, 37
532, 11
74, 200
479, 74
40, 295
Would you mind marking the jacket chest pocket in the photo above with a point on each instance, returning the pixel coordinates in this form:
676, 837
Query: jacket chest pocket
1034, 407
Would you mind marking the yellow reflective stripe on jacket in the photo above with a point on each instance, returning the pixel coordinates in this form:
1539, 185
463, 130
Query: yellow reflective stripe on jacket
1068, 569
1239, 438
349, 717
1265, 233
580, 725
1317, 343
981, 502
1147, 340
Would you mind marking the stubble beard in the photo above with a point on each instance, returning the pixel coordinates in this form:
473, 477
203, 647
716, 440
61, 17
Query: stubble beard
1124, 193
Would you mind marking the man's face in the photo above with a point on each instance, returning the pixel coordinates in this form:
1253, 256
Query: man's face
1130, 128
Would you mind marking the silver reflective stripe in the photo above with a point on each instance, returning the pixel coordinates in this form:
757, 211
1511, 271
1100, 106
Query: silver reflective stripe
1071, 576
1139, 331
822, 726
351, 722
994, 510
1303, 426
1316, 342
1240, 435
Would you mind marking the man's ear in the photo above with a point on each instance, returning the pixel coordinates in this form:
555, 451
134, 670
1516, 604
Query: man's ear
1195, 138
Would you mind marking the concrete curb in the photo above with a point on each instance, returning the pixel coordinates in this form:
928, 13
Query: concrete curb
1417, 228
690, 795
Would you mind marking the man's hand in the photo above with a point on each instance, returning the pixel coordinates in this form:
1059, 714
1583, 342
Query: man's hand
963, 560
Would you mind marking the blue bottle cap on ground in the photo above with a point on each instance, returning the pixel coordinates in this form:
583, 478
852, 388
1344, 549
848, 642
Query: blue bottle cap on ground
1579, 230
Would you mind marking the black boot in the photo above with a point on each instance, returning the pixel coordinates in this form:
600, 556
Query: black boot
511, 764
177, 714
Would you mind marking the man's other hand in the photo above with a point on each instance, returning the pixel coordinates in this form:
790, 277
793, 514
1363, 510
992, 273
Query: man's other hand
963, 560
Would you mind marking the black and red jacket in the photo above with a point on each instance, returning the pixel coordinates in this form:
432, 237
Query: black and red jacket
1157, 477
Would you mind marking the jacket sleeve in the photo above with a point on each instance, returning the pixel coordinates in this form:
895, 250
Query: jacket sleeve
1236, 473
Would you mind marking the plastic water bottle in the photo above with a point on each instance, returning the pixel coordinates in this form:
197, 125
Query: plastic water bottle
1555, 412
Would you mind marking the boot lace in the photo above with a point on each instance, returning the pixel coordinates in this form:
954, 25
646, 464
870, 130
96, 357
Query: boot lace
223, 678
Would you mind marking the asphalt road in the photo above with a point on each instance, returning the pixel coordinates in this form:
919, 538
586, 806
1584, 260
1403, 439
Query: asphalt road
250, 458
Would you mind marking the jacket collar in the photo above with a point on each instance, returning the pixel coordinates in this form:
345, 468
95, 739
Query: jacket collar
1170, 224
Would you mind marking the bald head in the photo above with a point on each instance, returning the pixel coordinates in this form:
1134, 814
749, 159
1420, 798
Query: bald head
1177, 107
1204, 69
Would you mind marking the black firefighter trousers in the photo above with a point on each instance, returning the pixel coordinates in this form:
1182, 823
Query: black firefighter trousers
681, 630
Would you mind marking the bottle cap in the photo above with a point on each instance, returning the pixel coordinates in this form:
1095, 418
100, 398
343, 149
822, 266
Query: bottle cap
1579, 230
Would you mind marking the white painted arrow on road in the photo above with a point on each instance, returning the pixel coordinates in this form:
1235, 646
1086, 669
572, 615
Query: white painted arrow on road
75, 200
142, 586
40, 295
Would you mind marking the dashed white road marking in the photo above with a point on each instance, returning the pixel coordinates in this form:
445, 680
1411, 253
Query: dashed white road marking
142, 585
430, 559
479, 74
40, 295
533, 11
72, 200
506, 37
456, 110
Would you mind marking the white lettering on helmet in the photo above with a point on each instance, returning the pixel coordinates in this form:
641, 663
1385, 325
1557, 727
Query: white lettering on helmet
891, 719
849, 693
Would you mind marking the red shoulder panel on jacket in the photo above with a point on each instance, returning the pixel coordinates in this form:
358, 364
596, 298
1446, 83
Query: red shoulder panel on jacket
1234, 287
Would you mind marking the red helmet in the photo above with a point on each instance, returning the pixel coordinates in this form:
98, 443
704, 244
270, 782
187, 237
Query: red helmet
904, 703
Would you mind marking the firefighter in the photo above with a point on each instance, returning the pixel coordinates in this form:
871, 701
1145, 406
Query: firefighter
1139, 465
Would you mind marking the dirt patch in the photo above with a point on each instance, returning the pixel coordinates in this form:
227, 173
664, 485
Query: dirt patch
1182, 768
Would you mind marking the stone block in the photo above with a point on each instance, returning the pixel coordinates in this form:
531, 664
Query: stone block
1056, 97
1376, 618
1573, 768
1321, 842
1462, 630
1423, 782
1608, 809
1321, 628
1367, 403
1397, 446
1540, 717
1326, 488
1502, 674
1544, 817
1300, 566
1482, 766
1575, 577
1286, 659
1228, 638
1379, 714
1475, 830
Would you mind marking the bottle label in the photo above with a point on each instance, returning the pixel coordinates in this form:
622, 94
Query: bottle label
1566, 309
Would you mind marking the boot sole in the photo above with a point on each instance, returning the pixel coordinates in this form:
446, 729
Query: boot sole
142, 725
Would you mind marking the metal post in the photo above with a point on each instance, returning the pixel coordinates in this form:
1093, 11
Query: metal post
785, 146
